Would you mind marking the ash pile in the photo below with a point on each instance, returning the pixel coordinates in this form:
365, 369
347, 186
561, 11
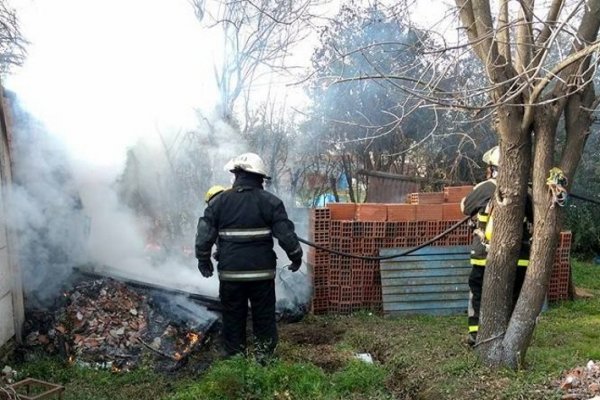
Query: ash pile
100, 322
104, 323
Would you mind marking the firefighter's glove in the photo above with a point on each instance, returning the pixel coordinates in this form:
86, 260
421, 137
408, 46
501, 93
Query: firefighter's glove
295, 265
206, 268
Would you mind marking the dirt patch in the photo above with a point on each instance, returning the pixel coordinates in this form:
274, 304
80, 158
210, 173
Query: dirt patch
315, 341
326, 357
581, 293
313, 333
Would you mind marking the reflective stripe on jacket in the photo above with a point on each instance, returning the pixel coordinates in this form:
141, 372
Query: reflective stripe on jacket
247, 234
477, 203
246, 275
244, 220
481, 262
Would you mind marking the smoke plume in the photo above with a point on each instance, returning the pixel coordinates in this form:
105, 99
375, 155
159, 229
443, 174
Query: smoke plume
46, 210
137, 226
113, 174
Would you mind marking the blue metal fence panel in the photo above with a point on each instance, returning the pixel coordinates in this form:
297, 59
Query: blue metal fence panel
432, 280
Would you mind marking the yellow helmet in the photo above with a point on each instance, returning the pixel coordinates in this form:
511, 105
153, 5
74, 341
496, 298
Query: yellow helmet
213, 191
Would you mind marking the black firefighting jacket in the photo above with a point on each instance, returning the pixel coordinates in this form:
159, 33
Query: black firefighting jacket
245, 219
477, 203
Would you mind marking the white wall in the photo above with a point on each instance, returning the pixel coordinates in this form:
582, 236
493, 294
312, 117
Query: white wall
11, 294
7, 326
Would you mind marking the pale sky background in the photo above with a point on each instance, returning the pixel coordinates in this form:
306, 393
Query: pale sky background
102, 74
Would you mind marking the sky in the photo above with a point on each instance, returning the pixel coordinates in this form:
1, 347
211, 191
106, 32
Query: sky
103, 74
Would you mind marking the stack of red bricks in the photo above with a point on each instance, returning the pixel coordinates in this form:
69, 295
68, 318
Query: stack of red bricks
343, 284
318, 260
558, 288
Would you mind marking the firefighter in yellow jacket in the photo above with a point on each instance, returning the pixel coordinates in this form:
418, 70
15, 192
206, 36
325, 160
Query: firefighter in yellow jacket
479, 204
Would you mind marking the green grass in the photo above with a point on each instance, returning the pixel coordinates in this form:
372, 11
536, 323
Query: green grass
90, 384
586, 275
415, 358
240, 378
569, 333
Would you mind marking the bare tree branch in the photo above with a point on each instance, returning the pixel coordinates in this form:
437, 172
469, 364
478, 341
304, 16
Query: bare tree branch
549, 23
525, 42
12, 43
504, 31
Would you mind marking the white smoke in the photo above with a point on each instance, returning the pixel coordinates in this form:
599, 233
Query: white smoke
68, 214
154, 243
101, 93
46, 211
99, 89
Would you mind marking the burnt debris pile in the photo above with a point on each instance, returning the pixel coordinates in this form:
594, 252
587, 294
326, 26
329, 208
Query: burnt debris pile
104, 323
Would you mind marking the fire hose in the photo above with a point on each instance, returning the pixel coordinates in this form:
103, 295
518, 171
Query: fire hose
389, 257
424, 244
584, 198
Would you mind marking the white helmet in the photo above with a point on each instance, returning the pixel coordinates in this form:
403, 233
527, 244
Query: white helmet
492, 156
249, 162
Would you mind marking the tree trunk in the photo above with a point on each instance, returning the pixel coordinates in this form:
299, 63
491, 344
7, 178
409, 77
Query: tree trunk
347, 167
531, 300
333, 185
508, 214
548, 215
503, 343
577, 121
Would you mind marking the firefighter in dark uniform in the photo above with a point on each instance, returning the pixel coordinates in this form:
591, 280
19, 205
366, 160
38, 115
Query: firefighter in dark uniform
245, 219
479, 204
212, 193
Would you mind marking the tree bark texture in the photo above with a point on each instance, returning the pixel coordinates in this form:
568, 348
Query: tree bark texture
526, 109
531, 300
508, 214
547, 218
347, 166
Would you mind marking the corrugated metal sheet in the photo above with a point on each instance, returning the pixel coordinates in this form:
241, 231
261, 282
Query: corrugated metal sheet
432, 280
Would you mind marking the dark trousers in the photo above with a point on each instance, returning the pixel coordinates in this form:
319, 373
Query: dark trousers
234, 299
475, 286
